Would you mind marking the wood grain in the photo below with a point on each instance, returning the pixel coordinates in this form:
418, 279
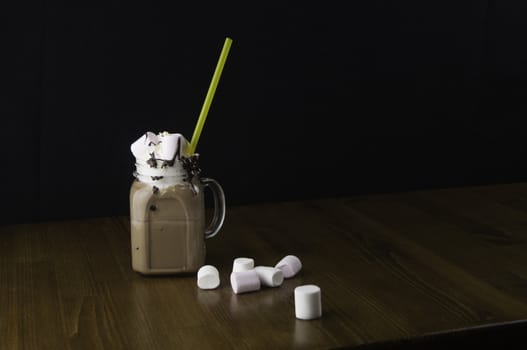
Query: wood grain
390, 266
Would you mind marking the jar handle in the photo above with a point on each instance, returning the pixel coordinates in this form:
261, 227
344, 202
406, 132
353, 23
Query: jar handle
219, 207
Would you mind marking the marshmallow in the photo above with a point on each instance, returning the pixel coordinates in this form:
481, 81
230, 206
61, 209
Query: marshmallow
290, 266
270, 276
245, 281
242, 264
144, 145
151, 138
168, 146
208, 277
308, 303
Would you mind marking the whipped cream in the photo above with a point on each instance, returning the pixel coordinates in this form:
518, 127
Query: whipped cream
158, 158
163, 146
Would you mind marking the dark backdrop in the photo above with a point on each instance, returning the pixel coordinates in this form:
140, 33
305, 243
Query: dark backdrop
317, 99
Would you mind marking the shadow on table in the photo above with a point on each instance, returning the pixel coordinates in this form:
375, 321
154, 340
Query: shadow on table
506, 335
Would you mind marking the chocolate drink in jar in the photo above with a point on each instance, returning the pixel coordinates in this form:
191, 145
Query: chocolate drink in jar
167, 207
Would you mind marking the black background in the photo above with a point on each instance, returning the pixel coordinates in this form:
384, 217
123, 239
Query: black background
317, 99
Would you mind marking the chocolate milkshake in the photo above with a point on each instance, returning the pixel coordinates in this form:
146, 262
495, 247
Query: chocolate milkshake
167, 208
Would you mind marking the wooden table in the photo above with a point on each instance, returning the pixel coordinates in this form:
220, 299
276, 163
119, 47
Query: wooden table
389, 266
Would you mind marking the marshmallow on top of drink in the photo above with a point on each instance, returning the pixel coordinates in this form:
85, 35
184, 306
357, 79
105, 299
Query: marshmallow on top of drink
162, 159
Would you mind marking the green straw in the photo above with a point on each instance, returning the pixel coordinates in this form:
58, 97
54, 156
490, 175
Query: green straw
210, 95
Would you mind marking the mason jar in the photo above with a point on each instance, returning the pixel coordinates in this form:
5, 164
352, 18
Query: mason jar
167, 217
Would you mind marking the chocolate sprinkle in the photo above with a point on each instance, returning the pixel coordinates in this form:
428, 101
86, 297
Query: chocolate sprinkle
193, 170
191, 166
178, 151
152, 161
155, 178
166, 163
155, 190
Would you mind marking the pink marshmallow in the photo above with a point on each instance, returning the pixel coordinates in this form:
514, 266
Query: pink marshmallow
290, 265
245, 281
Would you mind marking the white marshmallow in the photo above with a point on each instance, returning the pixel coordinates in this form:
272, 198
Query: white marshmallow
242, 264
245, 281
208, 277
168, 146
270, 276
290, 265
308, 302
140, 148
